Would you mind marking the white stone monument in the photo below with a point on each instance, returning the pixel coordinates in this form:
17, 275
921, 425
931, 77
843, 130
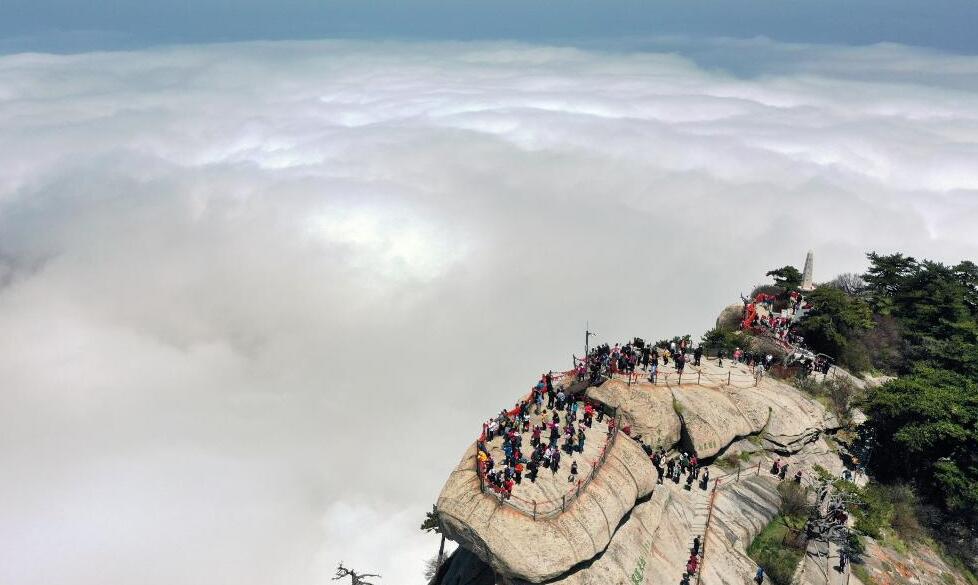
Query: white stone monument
806, 279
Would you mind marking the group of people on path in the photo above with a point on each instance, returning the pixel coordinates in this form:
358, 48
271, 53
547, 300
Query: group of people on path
673, 468
605, 361
556, 425
625, 358
758, 362
781, 470
693, 564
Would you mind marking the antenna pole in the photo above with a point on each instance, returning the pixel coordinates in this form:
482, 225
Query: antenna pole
587, 339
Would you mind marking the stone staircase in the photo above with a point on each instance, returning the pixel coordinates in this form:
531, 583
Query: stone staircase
701, 508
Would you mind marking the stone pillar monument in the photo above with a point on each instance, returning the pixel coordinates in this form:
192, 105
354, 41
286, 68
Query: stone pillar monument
806, 279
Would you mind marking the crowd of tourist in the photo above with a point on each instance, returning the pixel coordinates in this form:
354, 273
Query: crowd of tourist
605, 361
538, 434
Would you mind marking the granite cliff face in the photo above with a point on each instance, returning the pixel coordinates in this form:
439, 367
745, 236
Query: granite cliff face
516, 545
626, 528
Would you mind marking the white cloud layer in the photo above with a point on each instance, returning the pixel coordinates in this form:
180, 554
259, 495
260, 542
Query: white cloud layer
255, 299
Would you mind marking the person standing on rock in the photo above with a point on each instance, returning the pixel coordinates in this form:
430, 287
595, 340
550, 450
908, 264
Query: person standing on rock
573, 474
706, 478
759, 575
696, 545
646, 353
784, 471
532, 468
720, 354
653, 372
697, 354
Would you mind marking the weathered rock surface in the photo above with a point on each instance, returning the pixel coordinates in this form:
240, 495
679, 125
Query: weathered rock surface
647, 408
766, 345
792, 419
612, 532
653, 544
712, 420
515, 545
866, 381
740, 511
647, 544
716, 417
731, 316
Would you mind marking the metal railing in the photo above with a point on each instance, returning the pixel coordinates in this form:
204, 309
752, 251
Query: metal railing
673, 377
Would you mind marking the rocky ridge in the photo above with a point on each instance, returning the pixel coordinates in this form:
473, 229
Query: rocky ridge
624, 527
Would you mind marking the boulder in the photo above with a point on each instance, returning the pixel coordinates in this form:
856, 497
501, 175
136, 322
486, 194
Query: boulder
711, 419
765, 345
517, 546
789, 419
731, 317
646, 408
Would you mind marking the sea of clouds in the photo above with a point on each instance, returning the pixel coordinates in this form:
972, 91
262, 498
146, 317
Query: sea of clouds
255, 299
